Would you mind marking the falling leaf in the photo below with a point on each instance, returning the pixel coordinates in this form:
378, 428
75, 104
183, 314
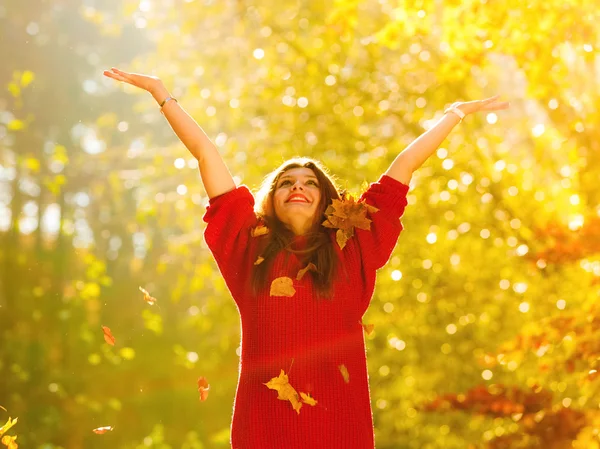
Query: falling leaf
285, 391
282, 286
102, 430
259, 260
108, 337
368, 328
149, 299
305, 397
345, 373
9, 442
259, 230
310, 267
203, 388
8, 425
345, 215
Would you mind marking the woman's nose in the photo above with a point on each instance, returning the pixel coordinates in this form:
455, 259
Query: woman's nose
296, 185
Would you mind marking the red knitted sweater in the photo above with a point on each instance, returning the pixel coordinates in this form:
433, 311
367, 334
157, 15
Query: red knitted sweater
319, 335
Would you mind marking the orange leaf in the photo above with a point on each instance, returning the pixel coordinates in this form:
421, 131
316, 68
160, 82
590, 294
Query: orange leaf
341, 237
108, 337
149, 299
259, 260
305, 397
9, 442
282, 286
203, 388
310, 267
345, 215
345, 373
368, 328
259, 230
102, 430
285, 391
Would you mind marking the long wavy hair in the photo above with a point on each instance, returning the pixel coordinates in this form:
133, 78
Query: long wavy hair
319, 248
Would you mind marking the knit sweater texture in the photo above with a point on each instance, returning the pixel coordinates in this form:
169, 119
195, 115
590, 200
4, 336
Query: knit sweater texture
321, 340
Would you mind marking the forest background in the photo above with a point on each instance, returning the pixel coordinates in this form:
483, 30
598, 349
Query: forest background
486, 319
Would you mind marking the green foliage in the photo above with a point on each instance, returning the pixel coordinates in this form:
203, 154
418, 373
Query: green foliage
492, 283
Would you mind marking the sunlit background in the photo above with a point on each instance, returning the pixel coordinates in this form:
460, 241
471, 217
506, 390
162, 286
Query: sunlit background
487, 317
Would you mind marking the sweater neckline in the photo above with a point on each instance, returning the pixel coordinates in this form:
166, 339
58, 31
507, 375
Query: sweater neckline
299, 242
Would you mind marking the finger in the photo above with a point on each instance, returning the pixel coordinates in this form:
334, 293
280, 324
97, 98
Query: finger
113, 76
490, 99
496, 106
125, 75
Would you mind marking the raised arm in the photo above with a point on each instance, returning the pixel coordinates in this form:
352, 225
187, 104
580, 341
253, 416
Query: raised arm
427, 143
214, 173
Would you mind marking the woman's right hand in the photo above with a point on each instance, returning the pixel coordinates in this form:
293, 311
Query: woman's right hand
146, 82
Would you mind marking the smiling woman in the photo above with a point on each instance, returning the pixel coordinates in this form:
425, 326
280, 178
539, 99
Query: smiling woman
301, 291
292, 202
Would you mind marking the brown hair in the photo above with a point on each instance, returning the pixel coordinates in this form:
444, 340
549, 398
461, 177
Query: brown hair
319, 248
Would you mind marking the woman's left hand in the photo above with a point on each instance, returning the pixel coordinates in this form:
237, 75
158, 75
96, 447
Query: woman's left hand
489, 104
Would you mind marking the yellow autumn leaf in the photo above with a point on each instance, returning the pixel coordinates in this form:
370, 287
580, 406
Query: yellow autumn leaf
345, 373
307, 399
259, 230
310, 267
9, 442
259, 260
8, 425
285, 391
282, 286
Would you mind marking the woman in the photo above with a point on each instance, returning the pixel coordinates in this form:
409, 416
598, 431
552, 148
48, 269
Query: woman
301, 267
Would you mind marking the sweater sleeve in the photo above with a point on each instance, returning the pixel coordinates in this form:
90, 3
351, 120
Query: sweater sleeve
229, 218
376, 245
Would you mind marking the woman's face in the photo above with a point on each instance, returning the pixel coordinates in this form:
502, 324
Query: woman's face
297, 196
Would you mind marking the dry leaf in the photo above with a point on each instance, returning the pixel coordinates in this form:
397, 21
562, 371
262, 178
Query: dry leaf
8, 425
305, 397
368, 328
203, 388
345, 373
285, 391
259, 230
9, 442
149, 299
345, 215
108, 337
102, 430
310, 267
259, 260
283, 286
341, 237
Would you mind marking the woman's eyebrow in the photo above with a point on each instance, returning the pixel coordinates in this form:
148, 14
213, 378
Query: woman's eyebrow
289, 176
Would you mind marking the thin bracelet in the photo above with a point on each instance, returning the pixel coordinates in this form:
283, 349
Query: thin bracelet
165, 101
456, 111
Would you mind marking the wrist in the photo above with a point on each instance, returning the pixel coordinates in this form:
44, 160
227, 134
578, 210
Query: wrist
159, 93
456, 112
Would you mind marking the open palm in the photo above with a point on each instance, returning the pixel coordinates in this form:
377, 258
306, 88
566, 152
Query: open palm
488, 104
146, 82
